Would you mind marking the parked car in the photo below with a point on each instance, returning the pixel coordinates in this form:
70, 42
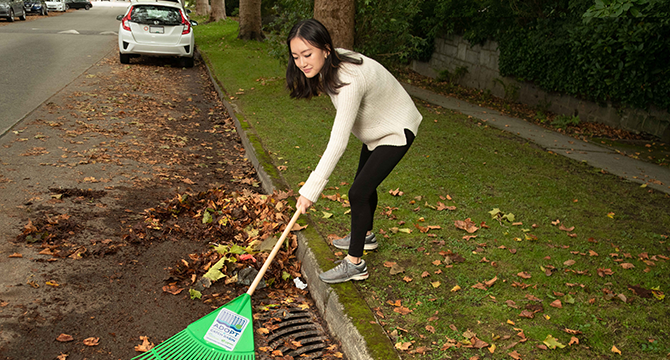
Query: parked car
156, 28
56, 5
9, 9
79, 4
36, 7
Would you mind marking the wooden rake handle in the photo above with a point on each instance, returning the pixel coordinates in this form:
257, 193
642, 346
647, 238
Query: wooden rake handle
274, 252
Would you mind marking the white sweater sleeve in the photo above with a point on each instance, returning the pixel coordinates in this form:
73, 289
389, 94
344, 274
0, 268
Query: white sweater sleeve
347, 102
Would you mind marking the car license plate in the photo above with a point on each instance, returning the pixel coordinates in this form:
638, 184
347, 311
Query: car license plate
156, 30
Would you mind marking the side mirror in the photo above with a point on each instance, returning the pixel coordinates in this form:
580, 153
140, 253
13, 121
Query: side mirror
194, 23
119, 17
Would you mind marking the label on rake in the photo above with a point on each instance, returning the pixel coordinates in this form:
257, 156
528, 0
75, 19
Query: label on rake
227, 329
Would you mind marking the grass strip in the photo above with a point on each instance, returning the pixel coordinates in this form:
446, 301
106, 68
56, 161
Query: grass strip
572, 264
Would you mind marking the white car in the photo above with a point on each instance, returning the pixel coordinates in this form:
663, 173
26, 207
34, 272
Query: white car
56, 5
156, 28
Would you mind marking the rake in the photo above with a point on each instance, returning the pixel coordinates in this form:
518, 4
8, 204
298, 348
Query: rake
222, 334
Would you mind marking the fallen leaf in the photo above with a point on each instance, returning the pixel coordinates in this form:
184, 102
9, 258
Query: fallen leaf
407, 279
627, 266
467, 225
64, 338
92, 341
404, 346
436, 284
396, 269
573, 340
402, 310
552, 342
524, 275
515, 355
430, 329
602, 272
62, 356
557, 304
15, 255
263, 331
527, 314
566, 229
569, 262
455, 288
615, 350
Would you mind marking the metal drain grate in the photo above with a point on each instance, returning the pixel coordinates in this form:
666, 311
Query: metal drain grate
295, 332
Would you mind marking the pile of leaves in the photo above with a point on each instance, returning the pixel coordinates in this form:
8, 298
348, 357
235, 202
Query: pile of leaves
239, 228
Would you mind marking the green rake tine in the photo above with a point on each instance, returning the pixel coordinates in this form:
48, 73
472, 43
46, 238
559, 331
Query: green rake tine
224, 334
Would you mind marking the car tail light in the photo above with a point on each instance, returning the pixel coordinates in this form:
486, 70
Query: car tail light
186, 23
125, 20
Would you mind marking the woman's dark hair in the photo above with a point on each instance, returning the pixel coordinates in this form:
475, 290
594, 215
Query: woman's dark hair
299, 85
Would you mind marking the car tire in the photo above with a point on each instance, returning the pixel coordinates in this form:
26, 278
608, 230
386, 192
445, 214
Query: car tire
23, 17
187, 62
11, 16
124, 58
87, 7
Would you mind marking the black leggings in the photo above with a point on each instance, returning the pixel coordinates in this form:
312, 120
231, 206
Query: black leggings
373, 167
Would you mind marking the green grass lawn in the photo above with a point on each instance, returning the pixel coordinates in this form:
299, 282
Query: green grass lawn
564, 267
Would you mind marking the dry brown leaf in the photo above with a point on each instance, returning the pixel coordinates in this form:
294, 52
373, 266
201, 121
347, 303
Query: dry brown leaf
573, 340
467, 225
403, 346
627, 266
64, 338
15, 255
62, 356
407, 279
524, 275
569, 262
92, 341
515, 355
430, 329
402, 310
557, 304
145, 345
615, 350
561, 227
527, 314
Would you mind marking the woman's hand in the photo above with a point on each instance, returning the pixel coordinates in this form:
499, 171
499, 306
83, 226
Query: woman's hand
303, 204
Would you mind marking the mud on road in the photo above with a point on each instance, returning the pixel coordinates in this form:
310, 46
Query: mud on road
78, 255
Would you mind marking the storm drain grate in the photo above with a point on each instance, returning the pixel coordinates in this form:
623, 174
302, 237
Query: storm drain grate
295, 332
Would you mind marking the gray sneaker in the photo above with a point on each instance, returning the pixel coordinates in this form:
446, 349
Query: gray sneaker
343, 243
345, 271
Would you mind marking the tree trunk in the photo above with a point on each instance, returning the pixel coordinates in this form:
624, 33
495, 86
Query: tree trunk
251, 26
202, 7
218, 10
338, 17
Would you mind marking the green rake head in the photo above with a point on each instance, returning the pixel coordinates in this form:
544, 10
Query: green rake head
224, 334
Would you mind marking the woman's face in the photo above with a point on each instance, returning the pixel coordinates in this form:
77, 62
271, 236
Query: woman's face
308, 58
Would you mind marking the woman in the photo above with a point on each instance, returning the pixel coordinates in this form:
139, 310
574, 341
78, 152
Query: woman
373, 106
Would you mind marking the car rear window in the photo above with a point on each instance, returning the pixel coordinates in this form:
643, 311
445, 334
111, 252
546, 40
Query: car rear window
155, 14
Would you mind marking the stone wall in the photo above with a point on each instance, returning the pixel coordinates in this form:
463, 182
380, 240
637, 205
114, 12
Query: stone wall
481, 61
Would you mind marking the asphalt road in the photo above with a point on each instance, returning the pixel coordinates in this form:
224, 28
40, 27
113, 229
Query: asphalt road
41, 57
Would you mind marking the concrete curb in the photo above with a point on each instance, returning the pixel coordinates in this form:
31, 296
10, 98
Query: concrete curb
327, 298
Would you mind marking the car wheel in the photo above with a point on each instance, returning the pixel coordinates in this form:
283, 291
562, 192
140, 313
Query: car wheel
23, 17
11, 16
87, 7
124, 58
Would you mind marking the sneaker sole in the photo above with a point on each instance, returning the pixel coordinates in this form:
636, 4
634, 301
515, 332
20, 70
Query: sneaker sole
368, 247
355, 277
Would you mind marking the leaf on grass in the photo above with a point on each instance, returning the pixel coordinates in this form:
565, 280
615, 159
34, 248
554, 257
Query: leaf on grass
327, 215
515, 355
524, 275
615, 350
492, 348
569, 262
552, 342
436, 284
467, 225
396, 269
602, 272
455, 288
527, 314
396, 192
627, 266
425, 274
403, 346
407, 279
561, 227
430, 329
573, 340
402, 310
557, 304
511, 304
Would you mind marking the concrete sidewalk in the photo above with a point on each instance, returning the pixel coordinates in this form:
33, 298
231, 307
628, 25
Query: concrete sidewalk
656, 177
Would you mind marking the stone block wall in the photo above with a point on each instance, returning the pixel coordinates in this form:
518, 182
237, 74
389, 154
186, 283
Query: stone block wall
481, 62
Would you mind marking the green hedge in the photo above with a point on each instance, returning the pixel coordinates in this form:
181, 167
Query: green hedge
607, 50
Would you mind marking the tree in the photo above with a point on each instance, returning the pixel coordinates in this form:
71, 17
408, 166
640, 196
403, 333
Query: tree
202, 7
251, 26
218, 10
338, 17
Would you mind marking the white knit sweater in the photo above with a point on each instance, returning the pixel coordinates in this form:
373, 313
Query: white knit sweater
373, 106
